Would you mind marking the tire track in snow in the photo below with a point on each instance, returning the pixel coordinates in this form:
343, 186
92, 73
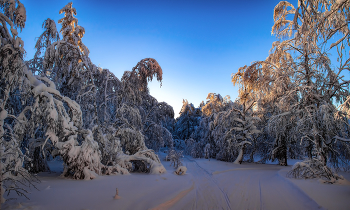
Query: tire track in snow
209, 176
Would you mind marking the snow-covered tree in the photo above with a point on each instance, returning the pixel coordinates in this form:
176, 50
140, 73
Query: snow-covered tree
129, 131
70, 67
193, 148
12, 174
215, 103
315, 24
188, 120
238, 128
156, 117
49, 36
296, 87
217, 127
212, 126
266, 82
108, 97
71, 31
175, 157
109, 138
207, 151
221, 147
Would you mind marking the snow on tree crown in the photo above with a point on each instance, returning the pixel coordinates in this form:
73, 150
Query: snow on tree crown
71, 31
16, 14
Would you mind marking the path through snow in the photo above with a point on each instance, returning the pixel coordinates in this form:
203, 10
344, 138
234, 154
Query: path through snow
247, 186
206, 185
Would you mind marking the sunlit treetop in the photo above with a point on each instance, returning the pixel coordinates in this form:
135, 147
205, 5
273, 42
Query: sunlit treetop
71, 31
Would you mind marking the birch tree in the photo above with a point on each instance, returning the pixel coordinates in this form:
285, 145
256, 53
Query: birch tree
12, 174
313, 26
300, 76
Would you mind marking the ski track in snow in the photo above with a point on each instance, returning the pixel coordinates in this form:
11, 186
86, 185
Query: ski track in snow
242, 188
206, 185
212, 184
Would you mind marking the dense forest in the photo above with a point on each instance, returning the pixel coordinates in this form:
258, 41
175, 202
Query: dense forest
293, 105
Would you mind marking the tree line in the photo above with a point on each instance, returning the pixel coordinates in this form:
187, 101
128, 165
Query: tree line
294, 104
61, 104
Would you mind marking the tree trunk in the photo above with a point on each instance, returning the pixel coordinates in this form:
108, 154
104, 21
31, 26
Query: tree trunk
251, 158
309, 150
1, 153
282, 157
39, 163
239, 159
320, 151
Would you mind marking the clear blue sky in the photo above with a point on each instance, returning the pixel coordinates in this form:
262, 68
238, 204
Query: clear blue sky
198, 44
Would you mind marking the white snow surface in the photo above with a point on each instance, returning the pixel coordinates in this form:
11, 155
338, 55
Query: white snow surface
206, 185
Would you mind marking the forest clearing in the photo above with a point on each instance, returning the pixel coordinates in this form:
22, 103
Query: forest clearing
75, 136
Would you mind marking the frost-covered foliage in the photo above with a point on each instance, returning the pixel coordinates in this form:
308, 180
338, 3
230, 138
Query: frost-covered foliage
14, 12
63, 105
116, 117
12, 174
215, 103
314, 168
179, 144
50, 124
188, 121
67, 64
298, 84
158, 117
142, 73
81, 162
175, 157
49, 36
223, 129
233, 130
210, 131
282, 127
48, 118
193, 148
129, 126
146, 116
142, 161
71, 31
316, 83
245, 128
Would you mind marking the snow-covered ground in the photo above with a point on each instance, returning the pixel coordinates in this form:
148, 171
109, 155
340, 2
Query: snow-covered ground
206, 185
